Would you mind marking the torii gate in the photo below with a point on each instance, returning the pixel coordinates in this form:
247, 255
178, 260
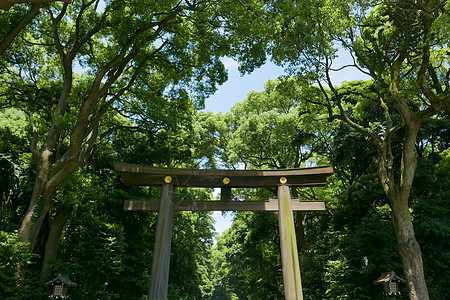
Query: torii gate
224, 179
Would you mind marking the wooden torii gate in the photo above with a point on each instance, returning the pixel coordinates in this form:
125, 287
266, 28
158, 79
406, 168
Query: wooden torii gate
224, 179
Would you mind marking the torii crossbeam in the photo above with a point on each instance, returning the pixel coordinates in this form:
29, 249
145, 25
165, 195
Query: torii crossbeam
224, 179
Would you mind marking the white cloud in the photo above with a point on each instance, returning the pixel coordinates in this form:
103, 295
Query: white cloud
229, 63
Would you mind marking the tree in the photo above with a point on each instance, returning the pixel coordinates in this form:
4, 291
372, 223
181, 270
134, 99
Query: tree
6, 4
250, 266
270, 130
133, 57
108, 250
267, 132
401, 45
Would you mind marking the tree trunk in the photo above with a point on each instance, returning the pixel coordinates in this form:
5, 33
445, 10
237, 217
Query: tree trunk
398, 192
299, 226
409, 250
43, 192
51, 247
39, 203
300, 230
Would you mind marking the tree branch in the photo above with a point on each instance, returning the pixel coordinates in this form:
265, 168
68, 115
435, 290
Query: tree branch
6, 4
61, 49
17, 28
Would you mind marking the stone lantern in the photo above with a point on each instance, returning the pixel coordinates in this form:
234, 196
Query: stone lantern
390, 283
61, 284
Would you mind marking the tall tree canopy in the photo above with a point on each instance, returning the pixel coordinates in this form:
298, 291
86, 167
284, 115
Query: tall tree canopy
135, 61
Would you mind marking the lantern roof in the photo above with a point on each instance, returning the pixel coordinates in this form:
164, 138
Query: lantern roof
389, 277
62, 278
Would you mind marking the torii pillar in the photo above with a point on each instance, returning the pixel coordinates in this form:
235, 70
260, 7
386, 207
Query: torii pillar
159, 279
225, 179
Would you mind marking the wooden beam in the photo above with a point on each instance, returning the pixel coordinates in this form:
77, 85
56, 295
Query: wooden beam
212, 182
289, 255
150, 176
187, 205
159, 280
125, 167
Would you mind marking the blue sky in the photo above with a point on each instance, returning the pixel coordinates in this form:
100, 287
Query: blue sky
237, 87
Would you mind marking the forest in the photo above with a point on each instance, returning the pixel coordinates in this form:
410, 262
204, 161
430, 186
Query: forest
86, 83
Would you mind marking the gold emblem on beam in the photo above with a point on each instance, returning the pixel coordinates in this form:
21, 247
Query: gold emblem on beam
226, 180
168, 179
283, 180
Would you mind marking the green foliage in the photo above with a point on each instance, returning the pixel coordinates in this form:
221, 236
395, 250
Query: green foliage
431, 211
351, 245
143, 68
191, 242
15, 161
271, 129
109, 251
83, 71
246, 259
12, 253
210, 137
15, 121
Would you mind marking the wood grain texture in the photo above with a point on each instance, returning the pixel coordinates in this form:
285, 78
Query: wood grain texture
187, 205
161, 256
289, 256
